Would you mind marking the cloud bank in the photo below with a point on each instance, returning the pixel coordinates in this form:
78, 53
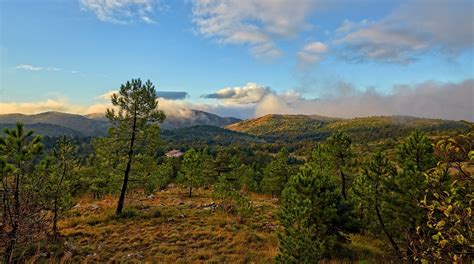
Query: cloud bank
428, 99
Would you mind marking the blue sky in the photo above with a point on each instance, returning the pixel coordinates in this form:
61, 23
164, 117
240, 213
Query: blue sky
62, 55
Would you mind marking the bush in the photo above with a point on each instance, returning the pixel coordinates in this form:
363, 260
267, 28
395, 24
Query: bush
127, 214
157, 213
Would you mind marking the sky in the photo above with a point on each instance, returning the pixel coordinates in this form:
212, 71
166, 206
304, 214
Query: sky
242, 58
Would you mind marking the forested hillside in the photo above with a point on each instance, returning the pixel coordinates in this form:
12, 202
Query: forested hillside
361, 129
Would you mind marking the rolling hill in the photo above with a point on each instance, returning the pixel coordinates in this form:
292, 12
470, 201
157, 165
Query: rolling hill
318, 127
185, 118
95, 124
46, 129
81, 124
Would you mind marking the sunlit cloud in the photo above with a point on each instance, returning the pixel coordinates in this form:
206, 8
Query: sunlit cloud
124, 11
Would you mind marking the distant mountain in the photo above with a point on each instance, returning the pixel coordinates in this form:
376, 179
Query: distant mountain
96, 124
186, 118
83, 125
319, 127
46, 129
197, 118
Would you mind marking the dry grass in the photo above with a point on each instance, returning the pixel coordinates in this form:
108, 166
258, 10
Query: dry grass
183, 232
172, 228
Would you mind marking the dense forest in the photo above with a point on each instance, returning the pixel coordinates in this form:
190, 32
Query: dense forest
344, 194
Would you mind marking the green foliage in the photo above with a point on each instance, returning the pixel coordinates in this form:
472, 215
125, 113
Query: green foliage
372, 192
277, 173
446, 233
339, 149
22, 220
196, 170
228, 190
225, 190
314, 216
248, 178
157, 213
127, 214
320, 159
416, 153
61, 177
158, 176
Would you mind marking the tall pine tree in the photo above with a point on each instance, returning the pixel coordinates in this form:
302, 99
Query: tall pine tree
133, 115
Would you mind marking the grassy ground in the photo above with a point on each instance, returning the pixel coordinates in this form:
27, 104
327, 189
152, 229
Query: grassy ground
170, 227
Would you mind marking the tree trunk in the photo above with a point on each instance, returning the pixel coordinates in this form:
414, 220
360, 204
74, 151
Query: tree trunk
343, 179
127, 169
55, 218
190, 191
55, 209
382, 224
13, 233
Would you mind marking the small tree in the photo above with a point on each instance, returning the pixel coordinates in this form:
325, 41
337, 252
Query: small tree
319, 158
19, 149
158, 176
65, 164
277, 173
137, 112
314, 218
416, 153
341, 156
371, 188
192, 173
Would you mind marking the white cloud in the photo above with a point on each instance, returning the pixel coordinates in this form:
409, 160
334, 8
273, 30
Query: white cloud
253, 22
250, 93
414, 28
123, 11
428, 99
28, 67
312, 53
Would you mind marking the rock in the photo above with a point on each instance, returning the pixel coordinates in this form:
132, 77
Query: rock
170, 219
151, 196
182, 216
134, 255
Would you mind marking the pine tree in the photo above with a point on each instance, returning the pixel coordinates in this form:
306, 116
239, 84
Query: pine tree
136, 116
65, 164
341, 156
19, 148
277, 173
192, 171
314, 217
416, 153
371, 188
